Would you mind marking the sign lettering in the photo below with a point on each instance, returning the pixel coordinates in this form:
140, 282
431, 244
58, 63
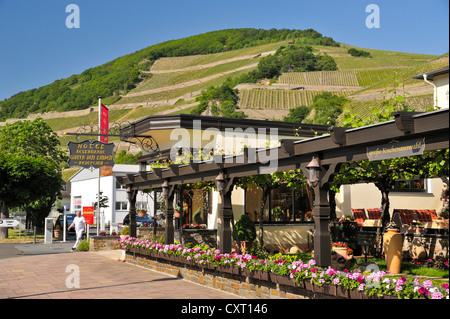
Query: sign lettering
88, 214
91, 155
396, 149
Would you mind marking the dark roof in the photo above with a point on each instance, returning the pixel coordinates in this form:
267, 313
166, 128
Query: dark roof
173, 121
187, 121
432, 74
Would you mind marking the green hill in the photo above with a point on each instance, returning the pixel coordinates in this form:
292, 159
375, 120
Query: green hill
167, 78
116, 78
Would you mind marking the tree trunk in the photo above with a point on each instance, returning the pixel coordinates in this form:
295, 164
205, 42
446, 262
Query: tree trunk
384, 187
4, 213
261, 216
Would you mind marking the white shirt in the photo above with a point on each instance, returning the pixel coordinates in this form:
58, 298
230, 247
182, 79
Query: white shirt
79, 223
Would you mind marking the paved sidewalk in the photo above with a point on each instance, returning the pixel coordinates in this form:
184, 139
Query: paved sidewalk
101, 276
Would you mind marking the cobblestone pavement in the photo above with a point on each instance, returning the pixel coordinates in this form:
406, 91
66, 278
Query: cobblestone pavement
91, 275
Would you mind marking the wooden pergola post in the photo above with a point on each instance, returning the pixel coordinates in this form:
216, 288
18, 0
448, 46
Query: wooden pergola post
168, 192
131, 196
321, 209
225, 187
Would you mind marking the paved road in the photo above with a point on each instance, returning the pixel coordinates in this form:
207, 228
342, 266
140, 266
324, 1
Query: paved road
53, 271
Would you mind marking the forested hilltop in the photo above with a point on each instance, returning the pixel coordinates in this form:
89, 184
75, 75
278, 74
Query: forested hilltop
121, 75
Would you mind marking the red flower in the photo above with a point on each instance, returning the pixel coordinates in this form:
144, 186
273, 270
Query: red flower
423, 291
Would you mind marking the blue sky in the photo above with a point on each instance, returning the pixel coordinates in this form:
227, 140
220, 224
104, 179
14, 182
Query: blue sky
36, 47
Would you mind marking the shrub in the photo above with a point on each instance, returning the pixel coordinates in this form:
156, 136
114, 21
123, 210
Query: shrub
84, 245
245, 228
126, 231
197, 218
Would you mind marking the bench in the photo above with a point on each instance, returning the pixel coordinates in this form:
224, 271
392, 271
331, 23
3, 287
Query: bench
406, 216
374, 213
371, 219
359, 215
427, 217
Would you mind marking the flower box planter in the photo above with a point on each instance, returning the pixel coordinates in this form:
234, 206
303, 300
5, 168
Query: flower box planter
328, 289
247, 273
342, 292
229, 270
170, 257
286, 280
281, 280
207, 266
181, 260
261, 275
308, 285
356, 294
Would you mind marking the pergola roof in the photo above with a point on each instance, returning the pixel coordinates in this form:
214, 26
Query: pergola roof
432, 74
158, 128
339, 146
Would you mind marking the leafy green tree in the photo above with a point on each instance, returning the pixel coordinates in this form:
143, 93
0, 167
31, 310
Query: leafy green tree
27, 180
356, 52
384, 173
269, 67
30, 169
222, 99
126, 158
297, 115
327, 108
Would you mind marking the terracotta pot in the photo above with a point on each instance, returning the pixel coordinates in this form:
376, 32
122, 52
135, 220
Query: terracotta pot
142, 213
57, 233
340, 251
392, 244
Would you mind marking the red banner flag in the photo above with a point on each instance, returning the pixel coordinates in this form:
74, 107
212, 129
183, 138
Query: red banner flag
104, 123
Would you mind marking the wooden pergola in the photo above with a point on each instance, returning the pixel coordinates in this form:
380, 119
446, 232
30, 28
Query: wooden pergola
329, 151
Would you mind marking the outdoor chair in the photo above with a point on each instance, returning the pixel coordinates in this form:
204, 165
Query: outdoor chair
359, 215
374, 213
406, 216
427, 215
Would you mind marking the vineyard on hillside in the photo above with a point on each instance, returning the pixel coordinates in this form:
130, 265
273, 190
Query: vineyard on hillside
354, 78
276, 99
326, 78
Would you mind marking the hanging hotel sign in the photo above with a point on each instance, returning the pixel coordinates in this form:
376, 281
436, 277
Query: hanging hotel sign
396, 149
89, 154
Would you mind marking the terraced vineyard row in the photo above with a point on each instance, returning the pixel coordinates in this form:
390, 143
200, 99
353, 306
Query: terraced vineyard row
325, 78
361, 78
275, 99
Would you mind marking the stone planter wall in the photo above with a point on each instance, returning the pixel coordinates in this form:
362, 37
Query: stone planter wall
247, 285
200, 237
97, 243
147, 232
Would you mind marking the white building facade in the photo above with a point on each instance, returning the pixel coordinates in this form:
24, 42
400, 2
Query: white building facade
85, 186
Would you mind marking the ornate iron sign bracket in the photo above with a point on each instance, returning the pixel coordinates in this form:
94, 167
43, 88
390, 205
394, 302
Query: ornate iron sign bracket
124, 130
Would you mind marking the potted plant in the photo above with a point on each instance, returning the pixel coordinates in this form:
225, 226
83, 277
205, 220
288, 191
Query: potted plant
415, 227
141, 212
245, 231
392, 245
309, 216
176, 212
277, 213
340, 248
197, 217
57, 230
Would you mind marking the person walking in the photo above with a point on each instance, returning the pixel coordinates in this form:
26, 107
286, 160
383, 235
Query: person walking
80, 228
